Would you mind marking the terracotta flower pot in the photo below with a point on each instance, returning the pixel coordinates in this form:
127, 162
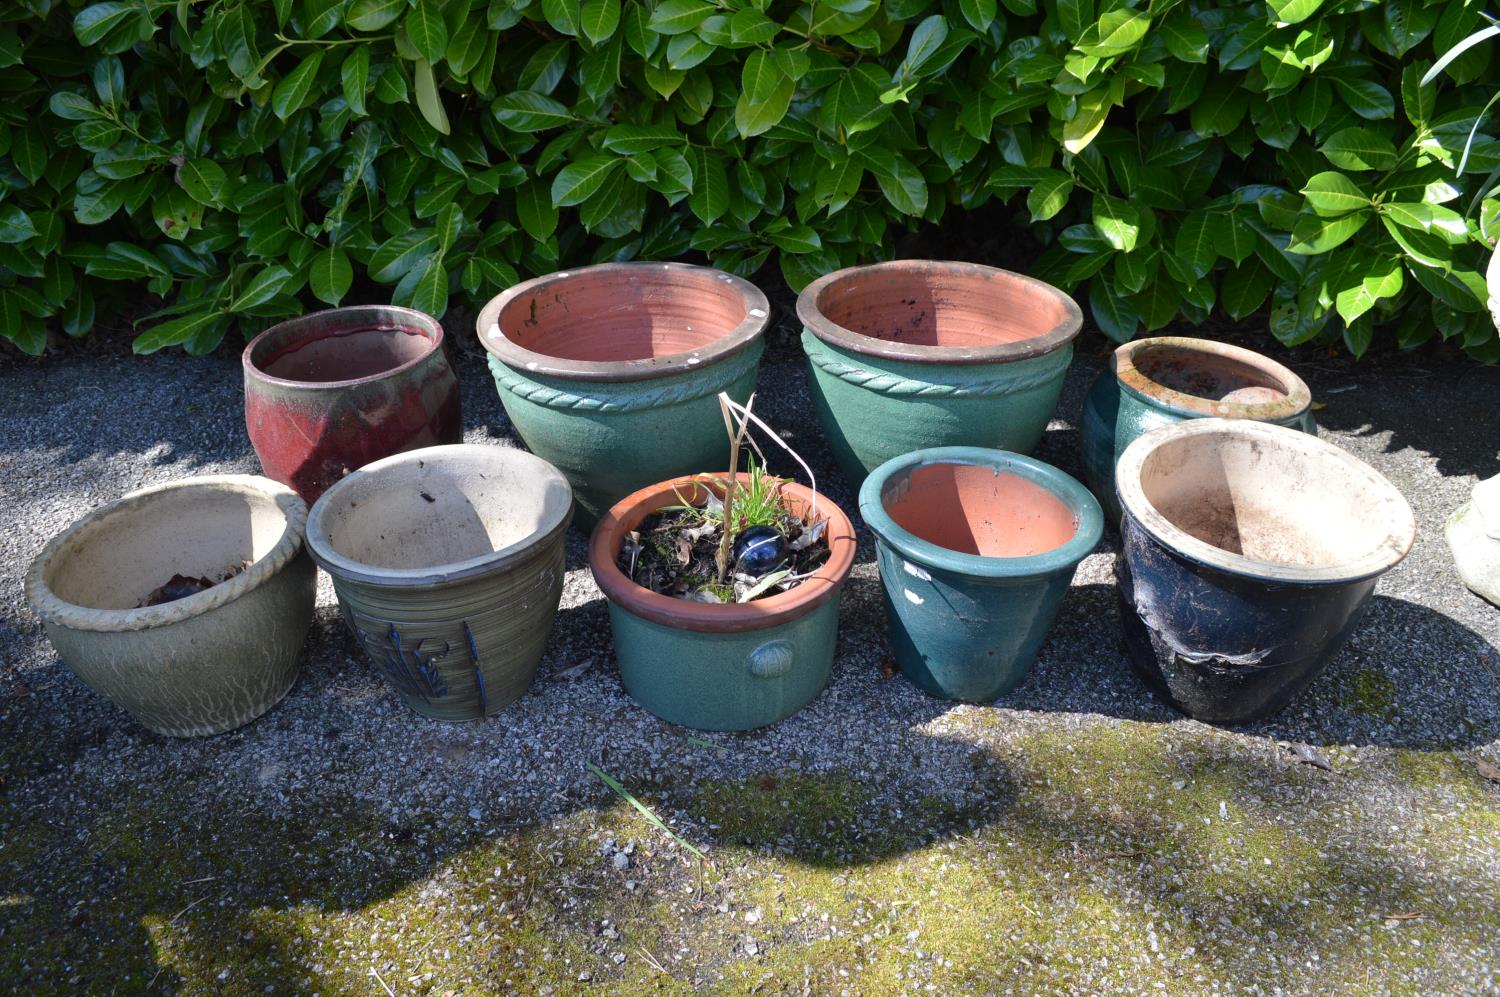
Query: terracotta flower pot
914, 354
448, 564
722, 667
330, 392
203, 664
1250, 552
1157, 382
612, 372
977, 549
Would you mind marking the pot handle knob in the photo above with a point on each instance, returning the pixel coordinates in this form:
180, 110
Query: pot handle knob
771, 659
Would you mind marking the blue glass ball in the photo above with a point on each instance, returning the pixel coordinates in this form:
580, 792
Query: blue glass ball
759, 550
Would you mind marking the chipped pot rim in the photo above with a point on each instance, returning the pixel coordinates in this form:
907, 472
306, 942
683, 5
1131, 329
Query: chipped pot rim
54, 609
1392, 510
536, 470
493, 338
739, 617
820, 325
395, 317
1136, 382
1062, 486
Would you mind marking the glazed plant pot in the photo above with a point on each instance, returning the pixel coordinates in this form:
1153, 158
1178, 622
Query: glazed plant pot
448, 564
914, 354
722, 667
1152, 383
203, 664
1250, 552
332, 391
612, 372
977, 549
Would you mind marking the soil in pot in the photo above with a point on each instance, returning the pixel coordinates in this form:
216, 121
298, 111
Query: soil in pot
182, 586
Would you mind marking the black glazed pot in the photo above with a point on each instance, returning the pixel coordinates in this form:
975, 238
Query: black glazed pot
1249, 556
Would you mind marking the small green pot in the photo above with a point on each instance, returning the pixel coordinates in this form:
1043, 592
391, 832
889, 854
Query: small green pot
722, 667
448, 564
977, 550
612, 373
1158, 382
915, 354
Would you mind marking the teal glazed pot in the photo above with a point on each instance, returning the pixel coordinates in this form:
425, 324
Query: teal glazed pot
1152, 383
612, 373
722, 667
915, 354
977, 549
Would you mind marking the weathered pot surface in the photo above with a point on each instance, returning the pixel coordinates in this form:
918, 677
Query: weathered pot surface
612, 372
203, 664
1250, 552
1156, 382
329, 392
977, 550
1473, 535
722, 667
915, 354
448, 564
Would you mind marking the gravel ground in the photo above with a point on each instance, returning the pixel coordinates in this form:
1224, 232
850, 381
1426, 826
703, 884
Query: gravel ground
1076, 836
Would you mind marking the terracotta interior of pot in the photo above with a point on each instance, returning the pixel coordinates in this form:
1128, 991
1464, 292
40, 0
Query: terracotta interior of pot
1288, 501
1208, 375
211, 532
317, 352
942, 307
424, 513
634, 313
978, 510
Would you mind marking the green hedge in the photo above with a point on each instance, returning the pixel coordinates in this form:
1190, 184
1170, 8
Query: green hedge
241, 158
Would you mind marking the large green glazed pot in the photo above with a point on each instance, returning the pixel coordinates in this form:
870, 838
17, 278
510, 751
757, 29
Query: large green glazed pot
1152, 383
916, 354
448, 564
977, 550
722, 667
203, 664
612, 373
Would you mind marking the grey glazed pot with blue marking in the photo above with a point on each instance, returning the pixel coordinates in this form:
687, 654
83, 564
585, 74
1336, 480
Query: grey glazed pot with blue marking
916, 354
448, 565
733, 666
977, 549
612, 373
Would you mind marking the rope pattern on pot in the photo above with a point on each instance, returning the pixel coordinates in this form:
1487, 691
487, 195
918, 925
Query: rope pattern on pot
893, 384
719, 377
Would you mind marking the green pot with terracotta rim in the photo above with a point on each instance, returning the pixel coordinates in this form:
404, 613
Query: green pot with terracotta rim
977, 550
1165, 380
612, 373
722, 666
917, 354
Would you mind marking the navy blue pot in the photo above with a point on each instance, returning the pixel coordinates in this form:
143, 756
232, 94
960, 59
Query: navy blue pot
1249, 554
977, 548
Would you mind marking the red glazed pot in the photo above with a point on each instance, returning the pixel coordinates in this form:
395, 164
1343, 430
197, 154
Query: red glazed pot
327, 393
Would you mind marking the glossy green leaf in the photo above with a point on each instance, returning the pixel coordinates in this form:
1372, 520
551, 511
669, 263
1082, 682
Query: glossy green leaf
372, 15
292, 90
330, 275
577, 182
1359, 149
1331, 194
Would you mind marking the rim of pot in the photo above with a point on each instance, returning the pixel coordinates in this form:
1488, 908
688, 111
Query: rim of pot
339, 319
495, 340
810, 312
56, 610
739, 617
336, 564
1137, 382
1392, 509
1079, 500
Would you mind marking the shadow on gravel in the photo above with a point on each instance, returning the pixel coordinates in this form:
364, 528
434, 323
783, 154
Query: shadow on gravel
1410, 677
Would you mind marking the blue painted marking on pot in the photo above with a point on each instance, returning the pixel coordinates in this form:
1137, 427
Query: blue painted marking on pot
966, 626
